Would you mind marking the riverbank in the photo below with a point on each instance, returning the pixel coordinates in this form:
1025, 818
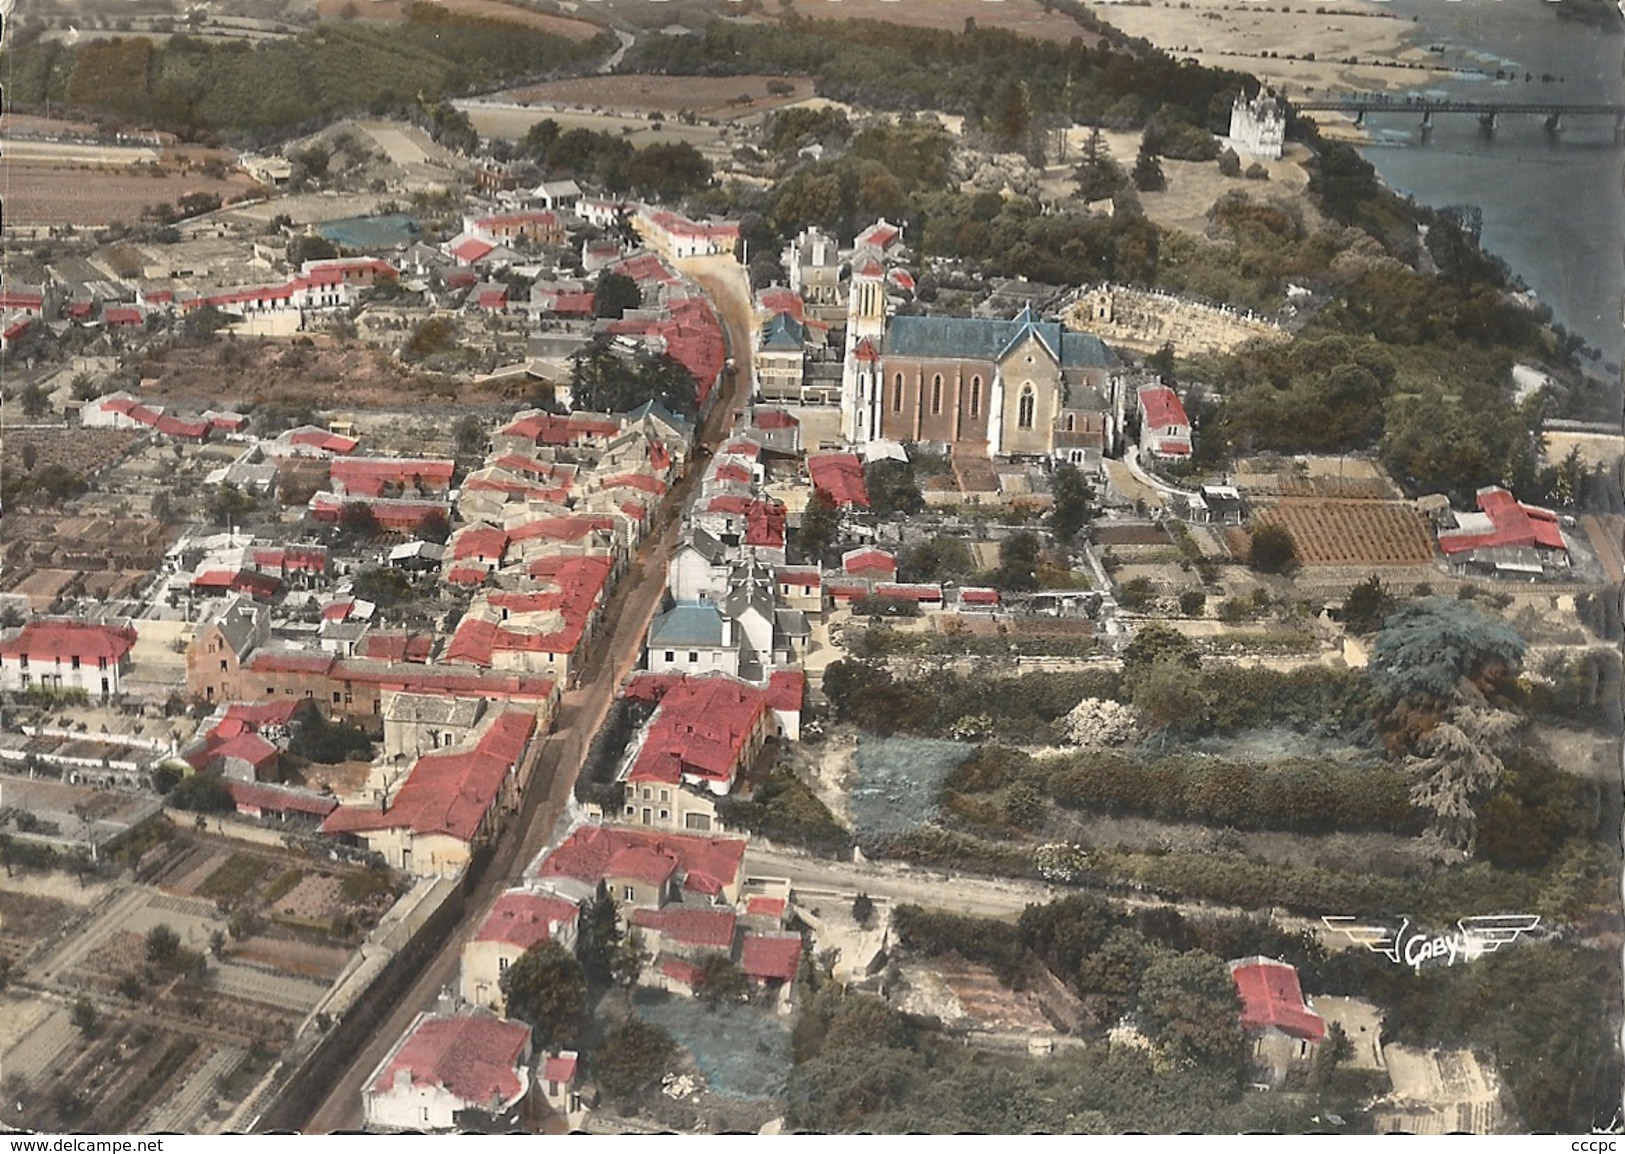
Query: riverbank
1299, 51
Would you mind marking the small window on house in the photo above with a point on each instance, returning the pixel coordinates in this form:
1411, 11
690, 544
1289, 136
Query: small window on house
897, 393
502, 965
665, 815
1071, 423
337, 696
646, 794
693, 657
270, 691
628, 894
222, 665
665, 795
670, 656
76, 662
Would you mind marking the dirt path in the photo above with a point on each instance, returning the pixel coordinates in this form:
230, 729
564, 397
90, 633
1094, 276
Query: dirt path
614, 653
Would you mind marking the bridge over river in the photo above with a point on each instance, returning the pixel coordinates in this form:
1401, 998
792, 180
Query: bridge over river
1361, 105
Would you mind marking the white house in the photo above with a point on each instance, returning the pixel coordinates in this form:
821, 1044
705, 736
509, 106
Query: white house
519, 920
59, 653
1165, 430
693, 637
450, 1073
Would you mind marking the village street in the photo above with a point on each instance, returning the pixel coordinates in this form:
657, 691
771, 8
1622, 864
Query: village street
615, 652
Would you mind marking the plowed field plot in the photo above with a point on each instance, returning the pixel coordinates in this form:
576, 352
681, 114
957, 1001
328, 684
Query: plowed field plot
26, 919
41, 194
1353, 533
82, 451
634, 92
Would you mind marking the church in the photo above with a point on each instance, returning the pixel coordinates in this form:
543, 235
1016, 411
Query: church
1022, 386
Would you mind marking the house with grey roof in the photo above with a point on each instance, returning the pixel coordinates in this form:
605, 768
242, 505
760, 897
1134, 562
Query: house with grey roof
693, 637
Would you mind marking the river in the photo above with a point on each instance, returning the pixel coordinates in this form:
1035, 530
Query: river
1553, 207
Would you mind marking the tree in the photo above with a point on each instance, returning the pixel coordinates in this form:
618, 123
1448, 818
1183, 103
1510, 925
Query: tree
634, 1056
357, 520
468, 434
1018, 563
721, 981
35, 400
435, 526
84, 1016
1073, 503
598, 938
1148, 175
1192, 603
546, 989
1366, 606
942, 558
1189, 1008
614, 293
1271, 550
1155, 642
892, 488
863, 909
163, 945
1229, 163
1170, 693
1098, 176
820, 527
1456, 767
202, 793
1427, 647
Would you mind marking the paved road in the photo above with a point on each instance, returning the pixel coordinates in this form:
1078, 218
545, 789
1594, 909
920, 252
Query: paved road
614, 653
971, 896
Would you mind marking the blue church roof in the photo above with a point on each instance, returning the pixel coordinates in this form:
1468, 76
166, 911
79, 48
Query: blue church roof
986, 339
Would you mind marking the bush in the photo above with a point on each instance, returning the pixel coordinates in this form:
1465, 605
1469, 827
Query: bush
784, 809
632, 1058
203, 793
1193, 603
1271, 550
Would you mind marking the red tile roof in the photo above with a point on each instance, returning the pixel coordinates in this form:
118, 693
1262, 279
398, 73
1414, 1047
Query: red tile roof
525, 919
1515, 525
449, 793
682, 971
1163, 408
391, 646
560, 1069
762, 906
471, 249
368, 476
786, 690
770, 958
324, 440
868, 561
840, 476
687, 926
580, 581
910, 592
702, 730
475, 1058
801, 575
979, 596
594, 853
486, 542
1271, 996
61, 640
775, 419
764, 524
265, 796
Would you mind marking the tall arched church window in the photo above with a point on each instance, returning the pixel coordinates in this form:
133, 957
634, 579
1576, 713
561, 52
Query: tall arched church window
936, 394
1024, 409
897, 393
976, 396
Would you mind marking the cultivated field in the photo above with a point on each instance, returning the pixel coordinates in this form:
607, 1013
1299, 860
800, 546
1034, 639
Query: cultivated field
82, 451
39, 195
394, 12
1027, 17
1352, 532
715, 97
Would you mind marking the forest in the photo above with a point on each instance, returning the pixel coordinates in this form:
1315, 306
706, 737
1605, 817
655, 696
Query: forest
238, 91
